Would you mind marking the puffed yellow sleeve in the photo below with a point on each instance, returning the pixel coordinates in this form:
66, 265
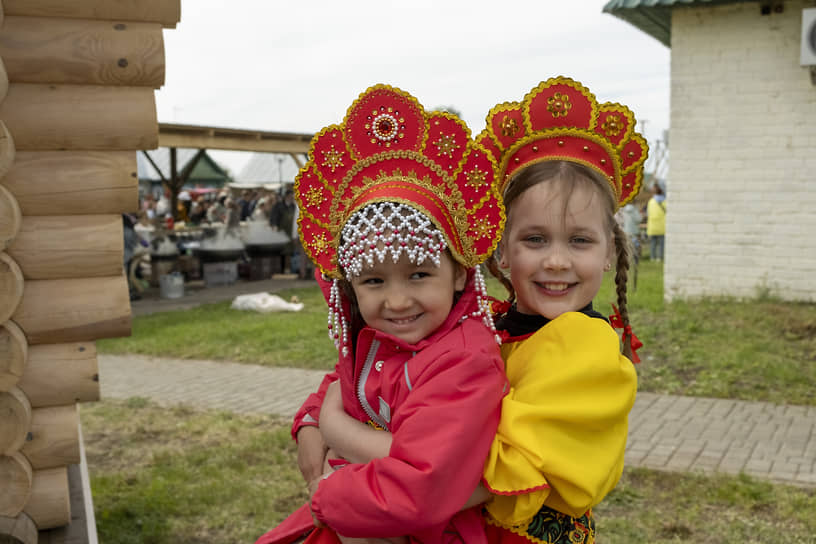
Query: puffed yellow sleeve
564, 423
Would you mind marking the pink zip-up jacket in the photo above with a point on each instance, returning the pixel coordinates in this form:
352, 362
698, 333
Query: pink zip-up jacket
440, 398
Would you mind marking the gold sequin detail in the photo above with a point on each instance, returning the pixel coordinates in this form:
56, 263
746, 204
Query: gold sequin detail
446, 145
333, 159
559, 105
508, 126
314, 196
319, 244
612, 126
476, 178
482, 229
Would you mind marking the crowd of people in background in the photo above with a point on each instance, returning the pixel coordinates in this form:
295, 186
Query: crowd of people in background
220, 207
209, 208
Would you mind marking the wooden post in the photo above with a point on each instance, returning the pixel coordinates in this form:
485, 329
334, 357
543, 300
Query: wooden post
50, 502
69, 246
88, 117
82, 52
16, 420
74, 310
16, 479
53, 440
74, 182
166, 12
11, 286
58, 374
13, 355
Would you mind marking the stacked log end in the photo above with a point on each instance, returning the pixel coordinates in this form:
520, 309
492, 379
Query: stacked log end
77, 82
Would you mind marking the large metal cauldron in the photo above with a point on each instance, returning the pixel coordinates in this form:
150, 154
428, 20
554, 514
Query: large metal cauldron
263, 241
218, 255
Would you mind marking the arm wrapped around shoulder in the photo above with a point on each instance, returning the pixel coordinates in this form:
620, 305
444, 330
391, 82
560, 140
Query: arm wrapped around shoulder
564, 423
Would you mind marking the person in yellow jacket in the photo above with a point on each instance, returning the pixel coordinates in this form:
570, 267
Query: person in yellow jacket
656, 223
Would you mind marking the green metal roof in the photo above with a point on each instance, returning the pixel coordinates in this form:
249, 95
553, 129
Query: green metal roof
654, 16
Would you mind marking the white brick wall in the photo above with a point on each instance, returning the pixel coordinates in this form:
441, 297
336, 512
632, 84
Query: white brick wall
742, 186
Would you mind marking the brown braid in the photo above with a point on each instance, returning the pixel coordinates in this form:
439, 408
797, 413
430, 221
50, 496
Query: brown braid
621, 278
493, 268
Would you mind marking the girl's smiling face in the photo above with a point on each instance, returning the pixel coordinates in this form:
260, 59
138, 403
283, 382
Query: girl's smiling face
557, 245
406, 300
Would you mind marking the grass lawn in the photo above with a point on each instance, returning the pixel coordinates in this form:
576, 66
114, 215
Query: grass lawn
753, 350
174, 476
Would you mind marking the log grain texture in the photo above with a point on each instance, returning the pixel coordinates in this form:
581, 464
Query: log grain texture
51, 117
68, 246
50, 502
53, 439
16, 478
82, 52
58, 374
13, 355
74, 182
74, 310
11, 287
165, 12
16, 420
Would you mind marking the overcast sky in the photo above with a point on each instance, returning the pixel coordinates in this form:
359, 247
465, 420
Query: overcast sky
296, 66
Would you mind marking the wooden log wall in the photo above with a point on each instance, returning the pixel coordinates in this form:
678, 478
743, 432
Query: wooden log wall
77, 82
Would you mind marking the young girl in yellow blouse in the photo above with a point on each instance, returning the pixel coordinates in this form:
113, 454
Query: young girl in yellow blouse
566, 164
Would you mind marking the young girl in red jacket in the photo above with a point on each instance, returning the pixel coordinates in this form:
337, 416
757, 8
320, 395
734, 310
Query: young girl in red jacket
566, 163
397, 208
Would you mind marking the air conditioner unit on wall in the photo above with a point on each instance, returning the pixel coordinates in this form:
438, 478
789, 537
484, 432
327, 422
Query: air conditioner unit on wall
808, 56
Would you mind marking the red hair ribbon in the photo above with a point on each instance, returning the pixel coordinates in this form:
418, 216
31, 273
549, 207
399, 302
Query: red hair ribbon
616, 320
499, 307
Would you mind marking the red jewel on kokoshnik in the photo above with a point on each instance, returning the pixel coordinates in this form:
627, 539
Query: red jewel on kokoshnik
385, 127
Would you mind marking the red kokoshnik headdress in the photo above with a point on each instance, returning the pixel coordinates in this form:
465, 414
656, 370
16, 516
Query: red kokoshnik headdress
389, 149
560, 120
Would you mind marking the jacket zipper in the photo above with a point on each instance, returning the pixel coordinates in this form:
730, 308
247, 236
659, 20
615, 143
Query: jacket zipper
366, 370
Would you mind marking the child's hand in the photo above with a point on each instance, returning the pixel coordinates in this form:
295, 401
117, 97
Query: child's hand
311, 452
351, 439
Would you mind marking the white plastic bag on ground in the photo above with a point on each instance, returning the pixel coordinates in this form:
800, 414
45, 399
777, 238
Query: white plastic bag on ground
265, 303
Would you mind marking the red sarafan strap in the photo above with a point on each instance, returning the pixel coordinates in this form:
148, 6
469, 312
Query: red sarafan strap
616, 320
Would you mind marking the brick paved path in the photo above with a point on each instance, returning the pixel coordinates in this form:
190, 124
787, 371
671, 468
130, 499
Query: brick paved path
666, 432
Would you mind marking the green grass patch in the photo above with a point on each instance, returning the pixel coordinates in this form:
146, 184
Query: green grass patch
659, 507
762, 349
175, 476
217, 332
